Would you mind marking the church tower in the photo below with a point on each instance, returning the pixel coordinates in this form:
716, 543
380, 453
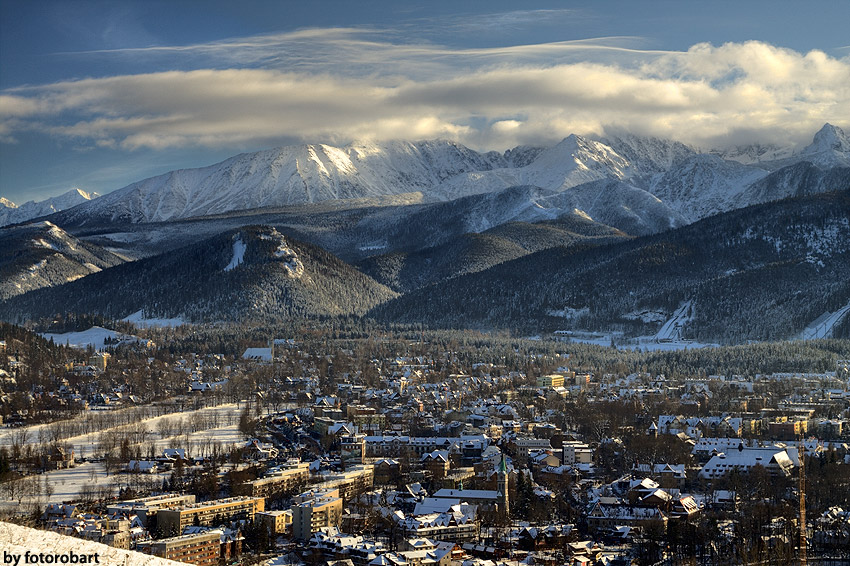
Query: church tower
502, 479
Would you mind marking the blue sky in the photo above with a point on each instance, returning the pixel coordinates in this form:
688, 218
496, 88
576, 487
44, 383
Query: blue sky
96, 95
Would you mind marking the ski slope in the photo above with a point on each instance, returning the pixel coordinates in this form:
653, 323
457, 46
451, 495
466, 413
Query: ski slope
672, 329
823, 325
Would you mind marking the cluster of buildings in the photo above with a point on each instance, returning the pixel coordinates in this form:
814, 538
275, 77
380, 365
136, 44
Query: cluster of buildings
404, 463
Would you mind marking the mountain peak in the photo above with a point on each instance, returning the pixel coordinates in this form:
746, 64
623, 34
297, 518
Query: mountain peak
78, 192
829, 138
32, 209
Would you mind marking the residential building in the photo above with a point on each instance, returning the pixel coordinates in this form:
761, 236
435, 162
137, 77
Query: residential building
551, 380
276, 522
203, 549
314, 510
286, 480
146, 508
208, 513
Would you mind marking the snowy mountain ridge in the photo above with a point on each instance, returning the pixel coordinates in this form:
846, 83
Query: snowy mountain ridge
829, 148
691, 183
10, 213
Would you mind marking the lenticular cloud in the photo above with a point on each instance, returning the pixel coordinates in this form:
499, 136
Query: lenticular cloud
708, 95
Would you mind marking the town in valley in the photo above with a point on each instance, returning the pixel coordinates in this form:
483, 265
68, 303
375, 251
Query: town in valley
346, 445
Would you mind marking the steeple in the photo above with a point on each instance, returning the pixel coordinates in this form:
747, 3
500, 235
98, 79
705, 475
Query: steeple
502, 483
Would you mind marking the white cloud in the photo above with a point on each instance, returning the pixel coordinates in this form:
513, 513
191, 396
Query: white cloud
488, 98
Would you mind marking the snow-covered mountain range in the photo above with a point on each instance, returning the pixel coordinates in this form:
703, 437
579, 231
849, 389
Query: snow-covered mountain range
682, 182
10, 213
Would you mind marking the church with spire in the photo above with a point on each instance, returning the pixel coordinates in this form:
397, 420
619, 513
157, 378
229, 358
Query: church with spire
503, 488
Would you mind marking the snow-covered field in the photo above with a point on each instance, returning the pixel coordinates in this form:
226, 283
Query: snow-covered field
16, 541
94, 336
67, 484
61, 485
650, 344
176, 432
644, 343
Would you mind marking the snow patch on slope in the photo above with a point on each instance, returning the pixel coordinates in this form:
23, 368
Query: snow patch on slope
290, 260
239, 248
139, 319
569, 313
291, 263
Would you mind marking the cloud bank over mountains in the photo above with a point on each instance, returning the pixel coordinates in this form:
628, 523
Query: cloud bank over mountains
343, 84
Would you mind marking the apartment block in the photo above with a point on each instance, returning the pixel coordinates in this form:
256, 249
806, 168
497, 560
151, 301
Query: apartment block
313, 510
209, 513
286, 480
203, 549
146, 508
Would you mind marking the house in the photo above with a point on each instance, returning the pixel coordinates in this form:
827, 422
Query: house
257, 354
57, 511
436, 464
775, 460
60, 458
668, 476
142, 466
258, 451
387, 471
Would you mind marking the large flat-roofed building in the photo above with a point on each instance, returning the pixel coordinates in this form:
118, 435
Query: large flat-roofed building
203, 549
551, 380
276, 522
290, 479
313, 510
209, 513
351, 483
146, 508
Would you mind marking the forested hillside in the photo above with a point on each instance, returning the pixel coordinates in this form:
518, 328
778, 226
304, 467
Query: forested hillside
759, 273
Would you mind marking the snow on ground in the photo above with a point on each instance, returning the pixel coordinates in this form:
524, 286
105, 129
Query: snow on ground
569, 312
672, 329
239, 248
94, 336
138, 318
823, 325
85, 445
16, 540
644, 343
66, 485
198, 442
650, 344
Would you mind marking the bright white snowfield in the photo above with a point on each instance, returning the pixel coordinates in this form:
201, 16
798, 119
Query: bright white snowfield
239, 248
17, 541
94, 336
226, 433
689, 183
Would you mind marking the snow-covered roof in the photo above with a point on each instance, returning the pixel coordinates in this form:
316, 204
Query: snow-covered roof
19, 541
